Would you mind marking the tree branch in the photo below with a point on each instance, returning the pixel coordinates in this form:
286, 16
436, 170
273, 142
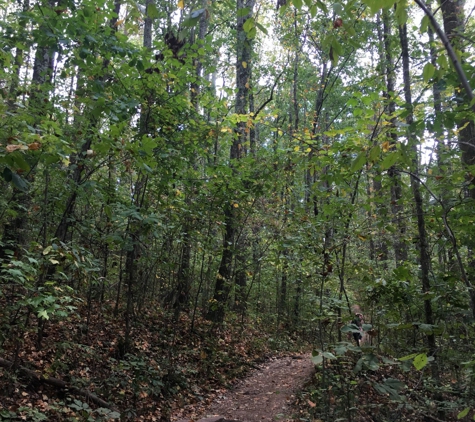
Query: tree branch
448, 46
271, 93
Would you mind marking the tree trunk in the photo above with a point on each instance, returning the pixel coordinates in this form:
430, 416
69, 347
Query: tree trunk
231, 215
452, 12
424, 254
400, 249
140, 187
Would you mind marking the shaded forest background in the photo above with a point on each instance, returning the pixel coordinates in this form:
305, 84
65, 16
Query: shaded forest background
190, 186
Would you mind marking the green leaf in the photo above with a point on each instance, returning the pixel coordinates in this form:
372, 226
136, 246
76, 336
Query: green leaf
420, 361
442, 62
252, 33
341, 348
322, 6
329, 355
261, 28
43, 314
313, 11
108, 211
359, 162
297, 3
374, 153
338, 8
152, 11
7, 174
401, 12
359, 365
350, 328
350, 30
20, 161
333, 56
50, 158
337, 47
390, 160
188, 23
386, 4
248, 25
243, 12
372, 362
424, 24
19, 182
317, 358
463, 413
428, 72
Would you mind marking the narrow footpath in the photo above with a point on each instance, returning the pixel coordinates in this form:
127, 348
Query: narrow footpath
265, 395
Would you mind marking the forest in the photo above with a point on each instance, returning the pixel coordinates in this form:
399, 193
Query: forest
192, 187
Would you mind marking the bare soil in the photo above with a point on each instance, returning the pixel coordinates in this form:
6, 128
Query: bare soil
267, 394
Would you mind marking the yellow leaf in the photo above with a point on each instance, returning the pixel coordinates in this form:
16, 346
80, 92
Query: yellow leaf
297, 148
385, 146
244, 65
247, 85
429, 171
308, 150
236, 205
361, 237
181, 4
119, 22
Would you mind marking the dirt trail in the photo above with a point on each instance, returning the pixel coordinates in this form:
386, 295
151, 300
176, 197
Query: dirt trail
266, 394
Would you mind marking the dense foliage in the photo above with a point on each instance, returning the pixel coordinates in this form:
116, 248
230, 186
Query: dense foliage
211, 163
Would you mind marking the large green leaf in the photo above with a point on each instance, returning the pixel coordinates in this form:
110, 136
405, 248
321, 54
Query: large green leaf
19, 182
420, 361
428, 72
358, 162
390, 160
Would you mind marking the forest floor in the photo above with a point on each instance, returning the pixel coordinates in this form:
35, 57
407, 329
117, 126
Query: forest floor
80, 369
268, 393
187, 369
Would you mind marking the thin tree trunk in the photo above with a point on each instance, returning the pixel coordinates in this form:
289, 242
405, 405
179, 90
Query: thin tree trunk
140, 187
424, 254
400, 248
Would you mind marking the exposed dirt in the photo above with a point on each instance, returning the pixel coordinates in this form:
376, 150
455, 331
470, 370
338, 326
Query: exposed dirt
267, 394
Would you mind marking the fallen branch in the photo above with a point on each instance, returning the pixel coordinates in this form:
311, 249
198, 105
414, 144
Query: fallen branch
60, 384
